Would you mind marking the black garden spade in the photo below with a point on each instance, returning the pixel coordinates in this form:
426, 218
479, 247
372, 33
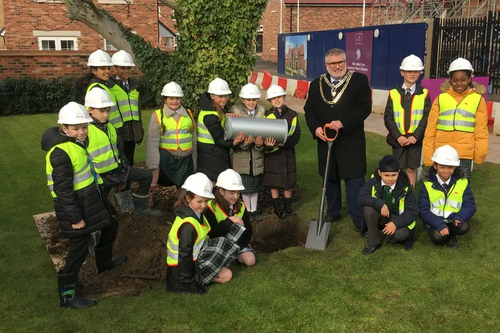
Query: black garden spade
317, 236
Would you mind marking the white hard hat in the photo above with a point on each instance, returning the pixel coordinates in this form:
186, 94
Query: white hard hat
218, 87
73, 114
446, 155
412, 63
275, 91
99, 58
250, 91
98, 98
230, 180
172, 89
122, 59
460, 64
199, 184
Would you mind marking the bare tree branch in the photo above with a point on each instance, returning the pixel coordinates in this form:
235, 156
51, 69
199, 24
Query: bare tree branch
88, 13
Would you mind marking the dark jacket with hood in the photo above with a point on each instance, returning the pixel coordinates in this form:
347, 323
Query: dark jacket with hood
186, 276
213, 158
280, 168
429, 219
402, 190
131, 130
88, 204
392, 127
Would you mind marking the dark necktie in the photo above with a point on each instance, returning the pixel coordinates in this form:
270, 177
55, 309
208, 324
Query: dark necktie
125, 85
408, 93
250, 114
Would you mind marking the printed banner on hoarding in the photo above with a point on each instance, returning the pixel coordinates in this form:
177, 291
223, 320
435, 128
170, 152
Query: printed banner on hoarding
296, 55
359, 52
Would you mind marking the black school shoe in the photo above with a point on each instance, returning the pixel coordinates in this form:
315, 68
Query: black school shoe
452, 242
371, 249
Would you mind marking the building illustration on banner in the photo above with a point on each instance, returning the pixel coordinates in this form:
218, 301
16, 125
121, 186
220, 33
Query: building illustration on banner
296, 55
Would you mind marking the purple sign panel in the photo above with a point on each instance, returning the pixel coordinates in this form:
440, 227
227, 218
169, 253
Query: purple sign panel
359, 52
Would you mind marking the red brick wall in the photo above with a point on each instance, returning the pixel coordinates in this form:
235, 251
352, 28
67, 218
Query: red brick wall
22, 17
312, 18
44, 64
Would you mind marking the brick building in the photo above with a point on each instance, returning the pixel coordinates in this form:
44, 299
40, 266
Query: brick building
39, 33
314, 15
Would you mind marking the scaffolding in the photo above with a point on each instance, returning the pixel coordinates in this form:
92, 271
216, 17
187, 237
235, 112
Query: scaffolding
410, 11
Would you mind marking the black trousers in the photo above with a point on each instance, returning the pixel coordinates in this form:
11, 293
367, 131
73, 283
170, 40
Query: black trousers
143, 176
375, 222
334, 199
78, 247
438, 239
129, 151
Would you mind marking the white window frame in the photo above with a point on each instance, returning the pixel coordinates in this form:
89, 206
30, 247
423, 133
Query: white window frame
57, 42
111, 46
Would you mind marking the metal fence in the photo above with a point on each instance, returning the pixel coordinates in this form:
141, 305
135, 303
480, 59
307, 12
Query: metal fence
476, 39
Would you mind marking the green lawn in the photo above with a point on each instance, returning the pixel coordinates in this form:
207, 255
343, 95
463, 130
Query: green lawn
427, 289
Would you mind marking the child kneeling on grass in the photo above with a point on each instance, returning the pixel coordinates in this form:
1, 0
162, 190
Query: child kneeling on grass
79, 202
194, 261
389, 204
446, 201
227, 209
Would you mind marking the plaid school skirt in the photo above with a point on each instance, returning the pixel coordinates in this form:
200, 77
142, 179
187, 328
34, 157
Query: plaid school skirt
176, 169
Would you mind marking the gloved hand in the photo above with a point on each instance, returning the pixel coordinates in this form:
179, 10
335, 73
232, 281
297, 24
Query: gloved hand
151, 190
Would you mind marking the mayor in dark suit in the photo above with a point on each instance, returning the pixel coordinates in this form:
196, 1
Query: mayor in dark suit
341, 99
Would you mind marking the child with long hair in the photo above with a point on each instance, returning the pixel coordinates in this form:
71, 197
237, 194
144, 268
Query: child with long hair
213, 149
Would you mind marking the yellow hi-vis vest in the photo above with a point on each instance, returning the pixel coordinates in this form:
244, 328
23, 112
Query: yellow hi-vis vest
115, 117
401, 204
178, 133
103, 148
128, 104
416, 114
204, 135
82, 168
458, 117
202, 231
290, 131
444, 205
220, 215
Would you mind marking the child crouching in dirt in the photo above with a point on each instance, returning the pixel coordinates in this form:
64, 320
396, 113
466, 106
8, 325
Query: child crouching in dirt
280, 169
79, 202
194, 261
227, 209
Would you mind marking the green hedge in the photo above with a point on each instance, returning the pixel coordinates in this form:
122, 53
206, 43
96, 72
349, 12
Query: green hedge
29, 95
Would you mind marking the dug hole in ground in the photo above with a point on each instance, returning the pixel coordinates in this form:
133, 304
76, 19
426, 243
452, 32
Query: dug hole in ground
144, 240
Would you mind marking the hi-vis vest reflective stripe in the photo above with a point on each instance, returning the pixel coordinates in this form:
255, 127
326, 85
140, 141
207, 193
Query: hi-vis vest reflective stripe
220, 215
103, 148
290, 131
443, 205
202, 231
127, 103
178, 133
204, 135
115, 117
82, 172
401, 204
416, 114
459, 117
